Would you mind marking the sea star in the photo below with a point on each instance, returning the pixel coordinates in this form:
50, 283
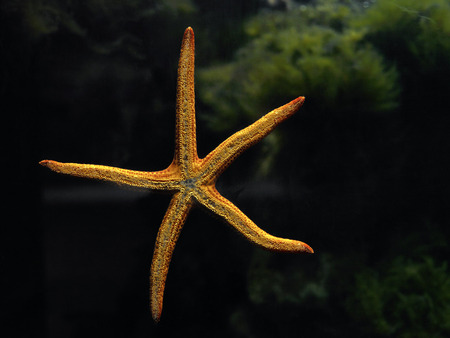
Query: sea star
192, 179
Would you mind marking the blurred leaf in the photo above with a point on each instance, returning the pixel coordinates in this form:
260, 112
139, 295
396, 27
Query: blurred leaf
409, 298
415, 34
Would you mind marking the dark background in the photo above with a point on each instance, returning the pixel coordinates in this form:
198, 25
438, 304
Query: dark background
366, 187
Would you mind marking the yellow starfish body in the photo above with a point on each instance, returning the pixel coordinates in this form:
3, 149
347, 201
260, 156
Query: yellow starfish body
192, 179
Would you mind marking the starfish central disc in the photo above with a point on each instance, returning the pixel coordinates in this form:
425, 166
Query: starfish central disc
191, 179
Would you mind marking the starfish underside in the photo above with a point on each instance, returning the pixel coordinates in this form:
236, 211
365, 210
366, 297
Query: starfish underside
192, 179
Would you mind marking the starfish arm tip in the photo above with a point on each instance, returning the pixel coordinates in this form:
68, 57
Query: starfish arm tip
299, 100
156, 316
287, 245
47, 163
308, 249
189, 31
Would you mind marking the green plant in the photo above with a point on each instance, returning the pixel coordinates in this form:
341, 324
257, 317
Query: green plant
409, 298
416, 36
309, 51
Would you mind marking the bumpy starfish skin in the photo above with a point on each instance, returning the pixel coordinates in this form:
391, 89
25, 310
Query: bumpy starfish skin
192, 179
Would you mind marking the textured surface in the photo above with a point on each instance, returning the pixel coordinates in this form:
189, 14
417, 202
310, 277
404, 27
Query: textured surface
192, 179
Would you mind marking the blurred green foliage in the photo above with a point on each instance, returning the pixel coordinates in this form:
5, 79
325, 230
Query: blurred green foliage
422, 28
415, 36
408, 298
311, 51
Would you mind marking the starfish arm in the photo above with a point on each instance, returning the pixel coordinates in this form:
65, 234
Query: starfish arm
185, 157
165, 244
214, 201
221, 157
160, 180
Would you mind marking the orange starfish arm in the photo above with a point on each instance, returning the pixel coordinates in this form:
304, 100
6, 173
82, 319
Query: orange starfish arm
226, 152
214, 201
185, 157
165, 244
159, 180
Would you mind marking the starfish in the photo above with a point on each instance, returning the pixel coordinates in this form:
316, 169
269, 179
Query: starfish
192, 179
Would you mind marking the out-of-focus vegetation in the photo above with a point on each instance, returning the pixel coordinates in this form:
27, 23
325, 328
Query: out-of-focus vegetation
416, 30
407, 298
312, 51
415, 36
